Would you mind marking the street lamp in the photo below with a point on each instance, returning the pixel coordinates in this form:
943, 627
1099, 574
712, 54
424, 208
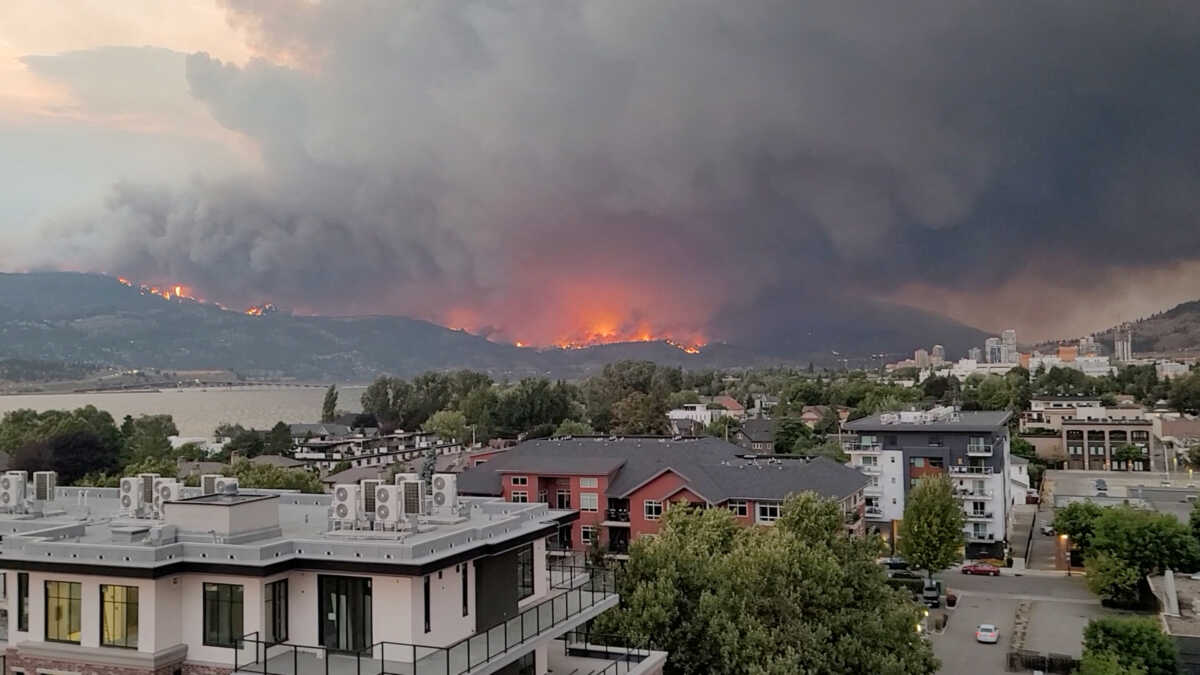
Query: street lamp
1066, 545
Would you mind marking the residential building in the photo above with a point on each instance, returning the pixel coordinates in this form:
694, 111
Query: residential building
964, 368
290, 583
359, 450
1123, 343
1167, 370
937, 355
319, 432
993, 350
1098, 443
757, 435
1048, 412
686, 426
731, 404
622, 486
921, 358
706, 412
1092, 366
1088, 346
975, 354
812, 415
1008, 346
897, 449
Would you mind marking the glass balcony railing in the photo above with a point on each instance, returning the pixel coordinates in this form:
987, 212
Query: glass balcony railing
582, 588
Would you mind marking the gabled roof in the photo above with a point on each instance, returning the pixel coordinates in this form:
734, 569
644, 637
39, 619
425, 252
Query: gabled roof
277, 460
759, 430
729, 403
707, 466
298, 430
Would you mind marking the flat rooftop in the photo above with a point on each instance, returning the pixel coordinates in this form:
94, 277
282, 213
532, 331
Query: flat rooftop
962, 421
1187, 590
83, 526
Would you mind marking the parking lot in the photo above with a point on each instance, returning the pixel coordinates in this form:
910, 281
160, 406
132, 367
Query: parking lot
1059, 608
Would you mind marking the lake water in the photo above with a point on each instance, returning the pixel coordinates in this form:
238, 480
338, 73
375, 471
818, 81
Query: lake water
198, 411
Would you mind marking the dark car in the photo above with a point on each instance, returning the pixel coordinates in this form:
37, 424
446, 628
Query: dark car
896, 563
981, 568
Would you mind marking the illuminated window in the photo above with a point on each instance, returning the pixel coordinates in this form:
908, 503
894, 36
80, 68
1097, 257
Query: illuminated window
64, 602
119, 616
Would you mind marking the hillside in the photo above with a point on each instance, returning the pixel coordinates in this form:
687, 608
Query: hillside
88, 318
1172, 331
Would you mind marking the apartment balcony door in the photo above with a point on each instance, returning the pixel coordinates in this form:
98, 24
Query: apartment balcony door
344, 621
563, 500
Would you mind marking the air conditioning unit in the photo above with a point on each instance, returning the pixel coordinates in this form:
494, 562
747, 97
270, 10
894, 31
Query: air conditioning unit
445, 492
366, 493
148, 486
226, 485
388, 505
131, 496
44, 483
412, 496
166, 490
12, 490
208, 483
402, 478
345, 501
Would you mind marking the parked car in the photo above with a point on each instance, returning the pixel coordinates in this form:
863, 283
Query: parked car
987, 633
895, 563
1048, 530
903, 574
981, 568
932, 595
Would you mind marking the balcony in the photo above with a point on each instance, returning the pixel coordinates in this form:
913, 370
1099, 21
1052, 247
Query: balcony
586, 593
979, 515
869, 469
854, 445
972, 470
585, 652
873, 512
972, 493
979, 449
616, 518
873, 490
979, 537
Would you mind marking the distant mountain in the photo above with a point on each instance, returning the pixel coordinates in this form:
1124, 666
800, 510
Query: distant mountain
1175, 330
72, 317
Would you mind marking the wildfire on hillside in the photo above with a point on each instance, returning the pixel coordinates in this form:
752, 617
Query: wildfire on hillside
261, 310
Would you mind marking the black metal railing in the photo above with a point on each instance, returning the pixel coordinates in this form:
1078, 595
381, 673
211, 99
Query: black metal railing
617, 515
622, 654
582, 588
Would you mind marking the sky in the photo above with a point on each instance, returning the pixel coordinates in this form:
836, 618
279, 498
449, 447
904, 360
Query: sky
580, 170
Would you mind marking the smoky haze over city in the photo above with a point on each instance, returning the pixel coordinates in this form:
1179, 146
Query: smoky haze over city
581, 172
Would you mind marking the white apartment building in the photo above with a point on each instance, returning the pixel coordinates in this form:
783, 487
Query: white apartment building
698, 412
897, 449
293, 583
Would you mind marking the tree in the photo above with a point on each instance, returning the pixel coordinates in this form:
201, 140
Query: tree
1147, 541
344, 465
799, 597
831, 448
931, 534
1078, 520
1112, 578
329, 405
278, 440
72, 454
449, 425
829, 423
725, 427
1185, 393
479, 407
573, 428
270, 477
639, 413
1127, 453
247, 443
788, 432
1136, 642
1105, 663
1194, 520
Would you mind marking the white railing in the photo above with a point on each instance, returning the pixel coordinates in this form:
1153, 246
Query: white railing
979, 449
980, 470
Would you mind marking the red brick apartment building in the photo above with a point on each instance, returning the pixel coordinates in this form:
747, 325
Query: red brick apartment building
621, 486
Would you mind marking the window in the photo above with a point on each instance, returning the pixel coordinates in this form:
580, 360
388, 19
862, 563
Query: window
652, 509
276, 604
917, 462
466, 577
23, 602
738, 507
520, 496
520, 480
588, 501
64, 600
587, 534
870, 460
1075, 449
119, 616
525, 572
222, 614
428, 606
588, 482
768, 512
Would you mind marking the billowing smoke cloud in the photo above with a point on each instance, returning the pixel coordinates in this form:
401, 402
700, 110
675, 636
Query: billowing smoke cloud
556, 170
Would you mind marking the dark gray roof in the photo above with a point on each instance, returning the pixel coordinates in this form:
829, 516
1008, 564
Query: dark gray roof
298, 430
759, 430
277, 460
968, 420
710, 467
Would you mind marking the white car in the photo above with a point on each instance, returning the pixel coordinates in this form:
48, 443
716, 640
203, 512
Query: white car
987, 633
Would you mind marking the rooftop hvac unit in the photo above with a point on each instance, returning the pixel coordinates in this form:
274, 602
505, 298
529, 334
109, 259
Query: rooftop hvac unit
208, 483
388, 506
227, 485
445, 492
367, 494
412, 493
131, 496
44, 483
166, 490
148, 486
402, 478
345, 501
12, 489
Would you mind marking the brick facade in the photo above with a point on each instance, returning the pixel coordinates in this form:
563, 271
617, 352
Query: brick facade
30, 664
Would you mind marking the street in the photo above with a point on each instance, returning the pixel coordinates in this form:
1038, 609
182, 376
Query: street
1059, 608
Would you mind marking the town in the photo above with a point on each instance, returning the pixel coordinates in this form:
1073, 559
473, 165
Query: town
1021, 521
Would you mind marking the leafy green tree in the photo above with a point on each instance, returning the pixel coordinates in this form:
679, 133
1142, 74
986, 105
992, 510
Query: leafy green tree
278, 440
1194, 520
1185, 393
329, 405
639, 413
1127, 453
247, 443
1105, 663
448, 425
829, 423
479, 408
1146, 541
192, 452
72, 454
830, 448
573, 428
788, 432
163, 466
1137, 643
931, 534
344, 465
725, 427
799, 597
678, 399
1112, 578
1078, 520
270, 477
